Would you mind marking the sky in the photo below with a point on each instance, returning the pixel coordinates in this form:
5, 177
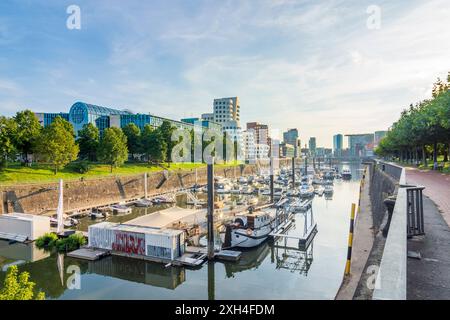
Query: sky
312, 65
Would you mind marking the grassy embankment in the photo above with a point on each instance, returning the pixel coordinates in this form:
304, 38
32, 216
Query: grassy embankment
37, 173
446, 168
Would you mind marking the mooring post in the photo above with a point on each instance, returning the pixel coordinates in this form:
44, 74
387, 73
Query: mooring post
211, 281
350, 240
271, 179
211, 209
293, 172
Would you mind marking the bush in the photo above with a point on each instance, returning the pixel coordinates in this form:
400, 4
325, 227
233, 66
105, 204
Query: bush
72, 242
81, 167
47, 240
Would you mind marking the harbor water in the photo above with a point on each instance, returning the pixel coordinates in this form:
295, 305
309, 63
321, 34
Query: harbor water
273, 270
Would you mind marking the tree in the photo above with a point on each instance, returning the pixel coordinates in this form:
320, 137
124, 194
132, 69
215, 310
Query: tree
113, 148
133, 134
88, 140
19, 287
166, 129
153, 144
27, 134
7, 132
57, 144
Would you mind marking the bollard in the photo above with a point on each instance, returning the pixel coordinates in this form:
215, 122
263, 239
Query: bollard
293, 173
350, 241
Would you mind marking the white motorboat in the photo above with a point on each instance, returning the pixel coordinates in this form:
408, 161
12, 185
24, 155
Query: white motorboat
236, 189
68, 222
223, 188
306, 190
98, 215
320, 190
243, 180
247, 230
247, 190
265, 192
143, 203
328, 190
346, 174
292, 193
162, 200
119, 208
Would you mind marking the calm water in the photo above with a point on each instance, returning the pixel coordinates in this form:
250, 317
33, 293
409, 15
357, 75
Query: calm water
266, 272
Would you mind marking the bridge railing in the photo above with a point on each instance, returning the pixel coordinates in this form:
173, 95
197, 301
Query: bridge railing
391, 278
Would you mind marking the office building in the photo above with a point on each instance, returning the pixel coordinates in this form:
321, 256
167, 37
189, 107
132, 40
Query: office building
312, 145
81, 114
291, 137
338, 143
360, 145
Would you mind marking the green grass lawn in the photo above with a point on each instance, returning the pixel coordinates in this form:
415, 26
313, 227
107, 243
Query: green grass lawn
440, 159
17, 174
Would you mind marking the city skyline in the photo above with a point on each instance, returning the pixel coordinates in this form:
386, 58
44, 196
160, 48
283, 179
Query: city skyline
136, 58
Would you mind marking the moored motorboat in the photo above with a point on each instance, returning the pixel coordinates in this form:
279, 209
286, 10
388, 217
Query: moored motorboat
143, 203
346, 174
247, 230
119, 208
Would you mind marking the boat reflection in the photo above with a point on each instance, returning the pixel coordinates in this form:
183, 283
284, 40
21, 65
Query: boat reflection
140, 271
19, 253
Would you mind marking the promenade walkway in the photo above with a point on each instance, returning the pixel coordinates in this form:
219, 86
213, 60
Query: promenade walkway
429, 276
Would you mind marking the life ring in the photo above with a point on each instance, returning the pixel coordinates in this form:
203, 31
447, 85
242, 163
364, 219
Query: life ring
249, 231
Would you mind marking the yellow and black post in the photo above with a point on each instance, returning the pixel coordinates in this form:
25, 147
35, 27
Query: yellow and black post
350, 241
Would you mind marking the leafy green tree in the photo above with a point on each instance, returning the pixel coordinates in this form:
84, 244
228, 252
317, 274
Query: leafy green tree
153, 145
7, 131
28, 131
113, 148
133, 134
19, 287
57, 144
166, 129
88, 140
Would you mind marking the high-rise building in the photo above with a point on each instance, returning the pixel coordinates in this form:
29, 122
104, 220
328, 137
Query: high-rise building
291, 137
360, 144
312, 145
261, 132
378, 136
338, 143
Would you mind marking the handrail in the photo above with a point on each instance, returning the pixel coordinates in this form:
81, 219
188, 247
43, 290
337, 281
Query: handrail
391, 278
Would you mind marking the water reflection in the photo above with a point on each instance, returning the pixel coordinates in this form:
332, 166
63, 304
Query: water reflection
139, 271
278, 270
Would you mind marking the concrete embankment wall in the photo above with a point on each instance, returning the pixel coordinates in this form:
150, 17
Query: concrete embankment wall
83, 194
381, 186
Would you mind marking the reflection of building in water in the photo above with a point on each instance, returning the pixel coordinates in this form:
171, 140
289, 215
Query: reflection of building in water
21, 252
249, 259
292, 258
139, 271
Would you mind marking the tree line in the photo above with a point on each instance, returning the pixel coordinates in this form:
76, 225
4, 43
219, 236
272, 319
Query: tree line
423, 130
57, 144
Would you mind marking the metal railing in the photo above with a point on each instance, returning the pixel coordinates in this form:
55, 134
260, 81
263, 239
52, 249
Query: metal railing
415, 221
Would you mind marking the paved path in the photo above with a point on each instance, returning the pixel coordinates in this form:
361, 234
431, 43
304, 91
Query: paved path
429, 277
437, 187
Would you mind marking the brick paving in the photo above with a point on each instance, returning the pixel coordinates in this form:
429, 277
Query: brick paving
437, 188
429, 276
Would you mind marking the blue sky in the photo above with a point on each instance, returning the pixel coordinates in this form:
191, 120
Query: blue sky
313, 65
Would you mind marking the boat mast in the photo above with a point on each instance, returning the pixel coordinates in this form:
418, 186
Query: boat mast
60, 210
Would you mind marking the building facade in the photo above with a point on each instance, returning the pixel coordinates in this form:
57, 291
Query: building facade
338, 144
360, 145
291, 137
312, 145
81, 114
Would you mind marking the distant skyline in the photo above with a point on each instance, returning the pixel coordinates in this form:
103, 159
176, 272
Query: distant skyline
311, 65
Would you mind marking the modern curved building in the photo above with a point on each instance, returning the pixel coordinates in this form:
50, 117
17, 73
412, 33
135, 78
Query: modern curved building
82, 113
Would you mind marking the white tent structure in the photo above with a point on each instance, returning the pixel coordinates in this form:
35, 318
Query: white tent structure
166, 218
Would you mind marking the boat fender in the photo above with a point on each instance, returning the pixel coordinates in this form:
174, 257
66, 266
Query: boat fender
249, 231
